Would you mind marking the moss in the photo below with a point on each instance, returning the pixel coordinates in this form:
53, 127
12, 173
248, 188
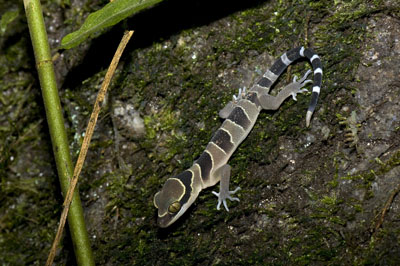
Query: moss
381, 168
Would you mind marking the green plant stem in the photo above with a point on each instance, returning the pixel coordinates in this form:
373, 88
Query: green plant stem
58, 134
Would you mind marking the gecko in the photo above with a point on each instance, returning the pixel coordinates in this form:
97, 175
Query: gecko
179, 192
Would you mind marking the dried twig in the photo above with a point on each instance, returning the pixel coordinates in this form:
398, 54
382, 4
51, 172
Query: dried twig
385, 208
86, 142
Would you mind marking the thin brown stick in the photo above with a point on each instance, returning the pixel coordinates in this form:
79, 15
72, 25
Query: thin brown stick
386, 208
86, 142
306, 30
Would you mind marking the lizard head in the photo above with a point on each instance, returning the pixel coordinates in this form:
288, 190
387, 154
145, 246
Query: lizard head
174, 198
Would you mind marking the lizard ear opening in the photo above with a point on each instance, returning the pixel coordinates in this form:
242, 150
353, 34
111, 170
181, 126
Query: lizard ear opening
174, 207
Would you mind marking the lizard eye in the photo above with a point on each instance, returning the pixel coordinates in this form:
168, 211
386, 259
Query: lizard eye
174, 207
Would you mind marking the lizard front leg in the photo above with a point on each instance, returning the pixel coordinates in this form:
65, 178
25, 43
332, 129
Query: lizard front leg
224, 172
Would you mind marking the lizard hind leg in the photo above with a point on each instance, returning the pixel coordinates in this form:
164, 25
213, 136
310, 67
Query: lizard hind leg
270, 102
303, 78
301, 83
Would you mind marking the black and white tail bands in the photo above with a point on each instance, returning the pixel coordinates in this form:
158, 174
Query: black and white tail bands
284, 61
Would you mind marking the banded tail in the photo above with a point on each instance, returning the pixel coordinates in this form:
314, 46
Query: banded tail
284, 61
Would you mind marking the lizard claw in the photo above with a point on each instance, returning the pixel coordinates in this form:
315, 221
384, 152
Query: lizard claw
222, 197
303, 78
299, 84
240, 95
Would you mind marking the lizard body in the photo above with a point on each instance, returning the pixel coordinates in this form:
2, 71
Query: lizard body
240, 115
